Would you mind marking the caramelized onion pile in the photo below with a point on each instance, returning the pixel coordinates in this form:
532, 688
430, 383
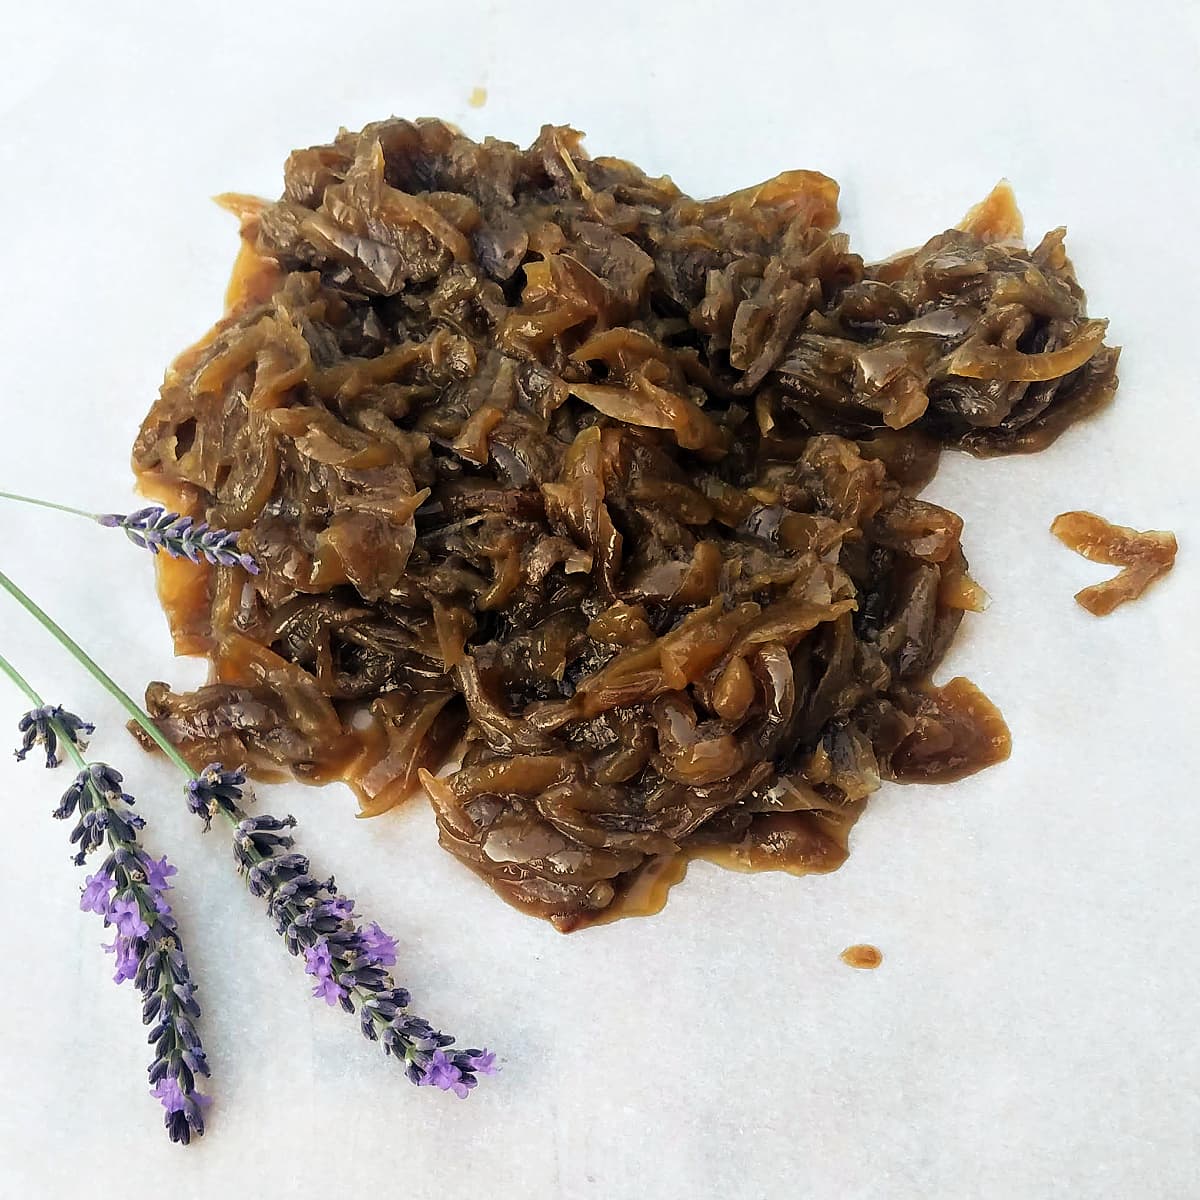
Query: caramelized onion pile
603, 490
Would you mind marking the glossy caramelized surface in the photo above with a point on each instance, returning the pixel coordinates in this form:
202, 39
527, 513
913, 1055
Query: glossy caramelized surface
606, 492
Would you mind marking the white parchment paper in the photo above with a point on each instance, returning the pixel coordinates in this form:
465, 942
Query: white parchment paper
1033, 1029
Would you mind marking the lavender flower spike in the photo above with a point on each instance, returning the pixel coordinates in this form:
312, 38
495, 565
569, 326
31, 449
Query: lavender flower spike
42, 726
154, 529
128, 893
347, 961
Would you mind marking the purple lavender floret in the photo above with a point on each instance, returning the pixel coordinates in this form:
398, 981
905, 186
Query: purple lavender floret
317, 959
483, 1062
128, 893
348, 962
158, 872
329, 990
97, 893
378, 947
154, 529
184, 1110
442, 1073
319, 963
126, 915
44, 726
125, 957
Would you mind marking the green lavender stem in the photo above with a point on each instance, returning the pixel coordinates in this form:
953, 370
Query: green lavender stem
22, 683
76, 512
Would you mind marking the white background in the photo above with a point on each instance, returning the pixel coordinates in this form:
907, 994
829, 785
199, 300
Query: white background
1033, 1030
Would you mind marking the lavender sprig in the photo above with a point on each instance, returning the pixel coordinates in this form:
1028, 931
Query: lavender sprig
41, 727
348, 961
128, 892
154, 529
